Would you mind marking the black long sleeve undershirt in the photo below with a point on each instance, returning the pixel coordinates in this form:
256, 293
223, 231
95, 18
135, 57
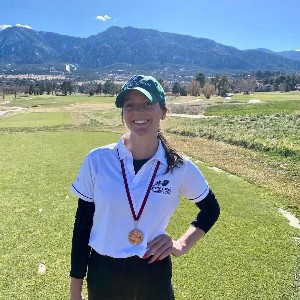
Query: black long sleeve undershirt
208, 214
81, 234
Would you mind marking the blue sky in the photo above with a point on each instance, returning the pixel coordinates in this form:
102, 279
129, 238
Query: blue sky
244, 24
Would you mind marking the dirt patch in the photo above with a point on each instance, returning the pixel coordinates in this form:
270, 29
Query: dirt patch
77, 118
76, 107
190, 116
90, 106
11, 110
293, 221
216, 169
189, 102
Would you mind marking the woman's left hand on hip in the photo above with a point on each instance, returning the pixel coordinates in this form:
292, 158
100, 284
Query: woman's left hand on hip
161, 247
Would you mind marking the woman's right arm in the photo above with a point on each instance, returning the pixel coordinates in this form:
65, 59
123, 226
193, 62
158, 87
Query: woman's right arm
80, 246
76, 289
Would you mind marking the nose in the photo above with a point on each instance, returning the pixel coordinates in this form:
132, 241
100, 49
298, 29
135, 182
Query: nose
139, 107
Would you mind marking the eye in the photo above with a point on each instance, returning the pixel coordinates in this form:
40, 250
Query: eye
128, 106
148, 104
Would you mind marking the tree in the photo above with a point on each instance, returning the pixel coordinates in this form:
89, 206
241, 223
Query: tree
109, 88
64, 88
194, 88
246, 85
99, 89
48, 88
221, 85
290, 83
67, 87
14, 89
40, 88
31, 89
91, 92
201, 79
183, 91
54, 87
278, 81
282, 87
176, 88
208, 90
70, 87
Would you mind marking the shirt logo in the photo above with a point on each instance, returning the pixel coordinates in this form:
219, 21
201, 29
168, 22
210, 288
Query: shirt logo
160, 186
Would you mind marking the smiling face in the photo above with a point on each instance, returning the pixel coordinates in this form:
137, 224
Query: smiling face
141, 116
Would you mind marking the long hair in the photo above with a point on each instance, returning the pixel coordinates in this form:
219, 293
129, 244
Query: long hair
174, 158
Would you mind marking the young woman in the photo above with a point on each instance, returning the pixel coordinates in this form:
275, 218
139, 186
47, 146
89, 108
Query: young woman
127, 193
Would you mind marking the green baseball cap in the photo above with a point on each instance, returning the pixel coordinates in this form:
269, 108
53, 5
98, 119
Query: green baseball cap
147, 85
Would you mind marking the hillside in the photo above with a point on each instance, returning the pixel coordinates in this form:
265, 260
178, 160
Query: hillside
134, 47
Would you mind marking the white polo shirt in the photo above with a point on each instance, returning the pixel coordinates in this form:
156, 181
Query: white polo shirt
100, 181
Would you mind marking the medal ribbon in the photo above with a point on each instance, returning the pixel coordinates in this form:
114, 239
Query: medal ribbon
137, 217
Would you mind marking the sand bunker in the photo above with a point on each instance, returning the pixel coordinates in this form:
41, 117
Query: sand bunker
254, 101
190, 116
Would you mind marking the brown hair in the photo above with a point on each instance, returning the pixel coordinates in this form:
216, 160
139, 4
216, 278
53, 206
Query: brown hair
174, 158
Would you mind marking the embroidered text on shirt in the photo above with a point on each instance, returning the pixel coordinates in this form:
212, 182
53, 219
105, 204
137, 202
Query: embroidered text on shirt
160, 186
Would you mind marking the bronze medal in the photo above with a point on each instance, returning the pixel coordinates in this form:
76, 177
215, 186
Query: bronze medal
135, 237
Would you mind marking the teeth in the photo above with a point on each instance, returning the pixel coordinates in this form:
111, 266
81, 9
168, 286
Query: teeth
140, 122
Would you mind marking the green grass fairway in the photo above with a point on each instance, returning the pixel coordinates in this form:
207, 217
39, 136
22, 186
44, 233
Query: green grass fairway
257, 109
37, 209
249, 254
54, 101
271, 96
34, 120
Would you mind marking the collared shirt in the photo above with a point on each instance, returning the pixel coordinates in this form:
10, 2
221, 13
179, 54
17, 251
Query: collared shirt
100, 181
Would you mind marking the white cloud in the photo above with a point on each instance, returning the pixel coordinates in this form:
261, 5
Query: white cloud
2, 27
103, 18
25, 26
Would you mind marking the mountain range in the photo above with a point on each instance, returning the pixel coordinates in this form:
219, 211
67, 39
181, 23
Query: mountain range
137, 47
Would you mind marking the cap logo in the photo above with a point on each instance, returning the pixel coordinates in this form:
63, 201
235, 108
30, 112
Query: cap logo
135, 81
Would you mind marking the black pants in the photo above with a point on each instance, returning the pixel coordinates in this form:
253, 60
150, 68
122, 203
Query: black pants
128, 278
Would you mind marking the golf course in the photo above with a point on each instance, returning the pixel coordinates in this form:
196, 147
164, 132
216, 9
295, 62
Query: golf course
247, 147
